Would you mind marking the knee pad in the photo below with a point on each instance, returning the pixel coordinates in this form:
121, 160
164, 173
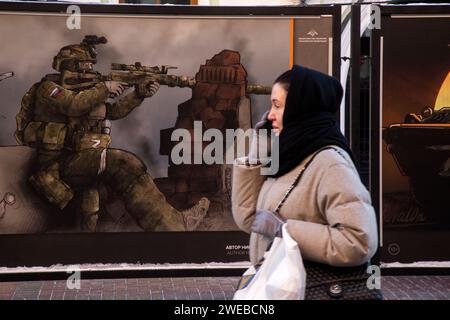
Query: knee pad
122, 168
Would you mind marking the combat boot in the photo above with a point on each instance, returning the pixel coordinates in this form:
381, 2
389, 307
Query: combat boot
152, 212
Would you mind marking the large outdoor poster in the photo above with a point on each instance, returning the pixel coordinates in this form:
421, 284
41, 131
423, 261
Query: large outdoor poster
415, 157
92, 120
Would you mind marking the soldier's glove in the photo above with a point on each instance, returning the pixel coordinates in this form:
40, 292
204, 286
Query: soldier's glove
115, 88
146, 90
267, 223
259, 152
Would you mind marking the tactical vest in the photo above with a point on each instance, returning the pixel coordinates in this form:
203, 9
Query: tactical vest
38, 127
30, 132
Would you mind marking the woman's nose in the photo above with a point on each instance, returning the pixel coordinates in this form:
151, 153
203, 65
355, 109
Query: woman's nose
271, 115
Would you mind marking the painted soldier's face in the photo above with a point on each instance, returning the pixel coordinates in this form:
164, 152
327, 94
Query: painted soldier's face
85, 66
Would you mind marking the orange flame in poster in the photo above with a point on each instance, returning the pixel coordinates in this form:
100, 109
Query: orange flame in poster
443, 97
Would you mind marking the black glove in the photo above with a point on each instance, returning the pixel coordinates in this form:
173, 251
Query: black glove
264, 123
261, 141
267, 224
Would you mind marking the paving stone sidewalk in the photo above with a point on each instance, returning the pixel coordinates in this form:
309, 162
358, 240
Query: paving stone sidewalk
207, 288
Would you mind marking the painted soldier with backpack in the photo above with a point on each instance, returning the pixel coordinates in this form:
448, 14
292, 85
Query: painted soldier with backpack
70, 130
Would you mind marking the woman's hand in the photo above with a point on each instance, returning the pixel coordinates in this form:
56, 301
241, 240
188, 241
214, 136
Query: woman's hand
267, 223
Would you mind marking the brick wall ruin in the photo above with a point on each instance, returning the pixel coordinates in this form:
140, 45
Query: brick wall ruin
219, 100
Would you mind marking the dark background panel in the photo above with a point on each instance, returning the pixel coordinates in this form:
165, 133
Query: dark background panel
162, 247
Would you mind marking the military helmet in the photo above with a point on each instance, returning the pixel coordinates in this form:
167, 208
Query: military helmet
71, 55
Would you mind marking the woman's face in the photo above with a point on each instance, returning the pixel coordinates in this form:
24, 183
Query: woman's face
278, 100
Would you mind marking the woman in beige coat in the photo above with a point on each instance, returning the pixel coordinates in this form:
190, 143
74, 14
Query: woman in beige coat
329, 213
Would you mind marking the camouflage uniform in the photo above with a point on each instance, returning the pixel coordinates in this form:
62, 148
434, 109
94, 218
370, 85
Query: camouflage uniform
71, 131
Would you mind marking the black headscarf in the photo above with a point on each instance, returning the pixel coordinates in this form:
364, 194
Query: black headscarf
309, 121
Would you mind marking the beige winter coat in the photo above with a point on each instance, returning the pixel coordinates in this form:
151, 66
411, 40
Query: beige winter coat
329, 213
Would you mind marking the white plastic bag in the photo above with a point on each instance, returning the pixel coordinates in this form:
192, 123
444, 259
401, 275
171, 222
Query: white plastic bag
281, 276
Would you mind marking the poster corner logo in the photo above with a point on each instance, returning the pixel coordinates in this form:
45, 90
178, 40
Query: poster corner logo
312, 33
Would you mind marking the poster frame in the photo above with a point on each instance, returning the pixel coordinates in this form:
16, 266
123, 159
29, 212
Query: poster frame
142, 247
